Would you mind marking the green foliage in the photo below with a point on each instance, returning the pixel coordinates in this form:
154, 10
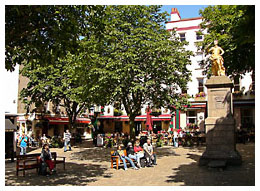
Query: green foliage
234, 27
69, 80
143, 64
37, 33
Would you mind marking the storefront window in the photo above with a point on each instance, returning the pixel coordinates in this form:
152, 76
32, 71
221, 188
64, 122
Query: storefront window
247, 118
192, 117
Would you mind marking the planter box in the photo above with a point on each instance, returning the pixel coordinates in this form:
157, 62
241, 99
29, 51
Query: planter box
200, 98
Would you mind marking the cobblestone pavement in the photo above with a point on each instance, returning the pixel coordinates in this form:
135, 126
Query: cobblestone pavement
88, 165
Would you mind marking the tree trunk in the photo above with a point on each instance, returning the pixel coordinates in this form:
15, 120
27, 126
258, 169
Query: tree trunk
132, 126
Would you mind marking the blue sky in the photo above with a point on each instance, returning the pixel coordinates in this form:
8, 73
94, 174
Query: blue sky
186, 11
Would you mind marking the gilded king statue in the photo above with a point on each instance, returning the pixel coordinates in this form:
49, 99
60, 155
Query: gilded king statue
217, 60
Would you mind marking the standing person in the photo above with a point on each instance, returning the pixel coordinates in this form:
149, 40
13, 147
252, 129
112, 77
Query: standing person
66, 139
149, 154
123, 158
175, 138
23, 144
47, 158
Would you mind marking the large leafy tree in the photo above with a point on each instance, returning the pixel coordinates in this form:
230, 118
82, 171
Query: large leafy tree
41, 34
144, 62
67, 78
234, 27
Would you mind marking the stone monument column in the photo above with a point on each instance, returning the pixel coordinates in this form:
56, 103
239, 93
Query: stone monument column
220, 124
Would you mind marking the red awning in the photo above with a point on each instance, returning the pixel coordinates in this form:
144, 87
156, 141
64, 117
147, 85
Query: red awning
65, 120
164, 117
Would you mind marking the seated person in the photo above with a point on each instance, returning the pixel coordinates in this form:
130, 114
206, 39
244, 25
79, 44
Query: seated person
132, 155
46, 157
123, 158
139, 151
149, 154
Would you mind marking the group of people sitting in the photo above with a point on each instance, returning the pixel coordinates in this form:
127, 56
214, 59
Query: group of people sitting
136, 152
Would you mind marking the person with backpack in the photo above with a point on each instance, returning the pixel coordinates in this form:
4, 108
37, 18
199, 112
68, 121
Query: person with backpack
46, 160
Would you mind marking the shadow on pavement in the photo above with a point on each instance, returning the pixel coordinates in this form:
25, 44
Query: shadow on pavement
75, 174
194, 175
95, 154
164, 152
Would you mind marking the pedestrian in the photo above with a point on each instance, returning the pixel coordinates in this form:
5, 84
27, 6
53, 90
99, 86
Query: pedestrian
23, 144
175, 138
66, 139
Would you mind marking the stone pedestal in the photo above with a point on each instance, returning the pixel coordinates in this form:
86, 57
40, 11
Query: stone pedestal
220, 124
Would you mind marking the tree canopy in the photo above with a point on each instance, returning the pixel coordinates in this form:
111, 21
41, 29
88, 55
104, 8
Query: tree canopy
144, 62
67, 78
234, 27
43, 33
115, 53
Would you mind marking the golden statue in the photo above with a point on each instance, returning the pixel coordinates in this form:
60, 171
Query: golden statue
217, 60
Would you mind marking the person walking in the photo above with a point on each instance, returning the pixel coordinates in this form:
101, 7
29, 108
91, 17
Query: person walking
23, 144
66, 139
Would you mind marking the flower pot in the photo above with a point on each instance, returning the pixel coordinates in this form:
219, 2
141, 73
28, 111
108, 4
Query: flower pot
200, 98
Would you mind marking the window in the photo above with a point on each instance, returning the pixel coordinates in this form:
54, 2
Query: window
200, 85
199, 37
237, 83
182, 37
191, 117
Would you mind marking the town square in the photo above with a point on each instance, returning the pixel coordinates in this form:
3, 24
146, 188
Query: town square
129, 95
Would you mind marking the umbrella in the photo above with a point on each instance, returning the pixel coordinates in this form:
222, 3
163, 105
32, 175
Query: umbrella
149, 121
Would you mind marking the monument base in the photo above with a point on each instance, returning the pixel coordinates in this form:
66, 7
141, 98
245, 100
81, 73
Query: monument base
220, 125
232, 158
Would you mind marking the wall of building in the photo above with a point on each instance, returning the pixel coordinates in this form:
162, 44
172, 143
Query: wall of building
10, 90
126, 127
165, 125
109, 126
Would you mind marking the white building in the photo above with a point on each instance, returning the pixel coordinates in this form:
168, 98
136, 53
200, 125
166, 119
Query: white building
187, 29
10, 87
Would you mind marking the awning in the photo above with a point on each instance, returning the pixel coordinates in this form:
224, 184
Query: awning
65, 120
198, 105
116, 118
164, 117
9, 126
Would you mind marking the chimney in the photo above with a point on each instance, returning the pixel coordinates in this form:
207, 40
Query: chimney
175, 15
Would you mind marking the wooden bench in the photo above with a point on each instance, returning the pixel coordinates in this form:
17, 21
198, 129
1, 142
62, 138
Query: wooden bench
117, 159
33, 161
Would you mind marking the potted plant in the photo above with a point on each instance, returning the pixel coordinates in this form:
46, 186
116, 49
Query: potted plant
156, 112
159, 142
200, 96
117, 112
